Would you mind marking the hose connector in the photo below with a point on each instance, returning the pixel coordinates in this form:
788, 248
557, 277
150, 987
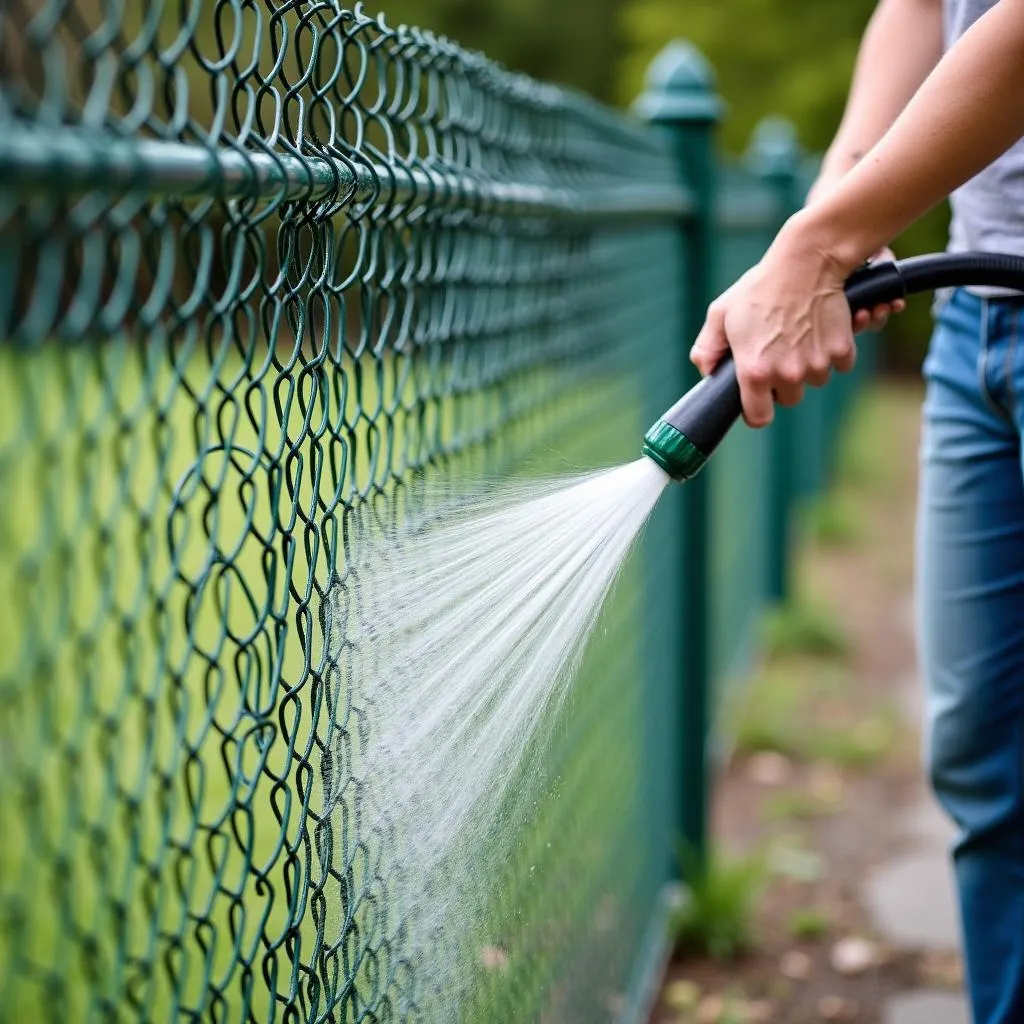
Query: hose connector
683, 439
673, 451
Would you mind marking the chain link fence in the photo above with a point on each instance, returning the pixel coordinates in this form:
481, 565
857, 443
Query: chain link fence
265, 266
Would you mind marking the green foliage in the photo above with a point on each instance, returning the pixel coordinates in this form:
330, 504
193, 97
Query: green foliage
767, 61
774, 713
796, 805
799, 628
717, 916
857, 746
808, 923
831, 522
866, 455
574, 42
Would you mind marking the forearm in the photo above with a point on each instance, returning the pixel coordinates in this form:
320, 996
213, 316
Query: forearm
882, 86
967, 113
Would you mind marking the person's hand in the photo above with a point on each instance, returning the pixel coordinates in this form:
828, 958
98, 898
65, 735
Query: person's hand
875, 319
788, 324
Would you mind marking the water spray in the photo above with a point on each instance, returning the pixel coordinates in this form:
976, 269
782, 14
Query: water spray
686, 436
459, 633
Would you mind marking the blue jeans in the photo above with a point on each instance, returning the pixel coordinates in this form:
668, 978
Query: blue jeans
970, 601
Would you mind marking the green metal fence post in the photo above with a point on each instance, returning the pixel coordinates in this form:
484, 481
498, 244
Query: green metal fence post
774, 155
681, 100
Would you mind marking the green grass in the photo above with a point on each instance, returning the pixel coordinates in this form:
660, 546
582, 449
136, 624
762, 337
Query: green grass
858, 745
865, 452
796, 735
807, 924
718, 912
832, 521
802, 628
780, 710
796, 805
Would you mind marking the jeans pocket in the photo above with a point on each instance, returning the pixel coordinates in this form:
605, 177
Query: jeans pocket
940, 300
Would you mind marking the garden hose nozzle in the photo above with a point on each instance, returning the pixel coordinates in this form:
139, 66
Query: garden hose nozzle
685, 437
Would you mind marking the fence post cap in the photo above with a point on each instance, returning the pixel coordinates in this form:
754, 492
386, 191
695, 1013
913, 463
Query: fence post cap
680, 86
774, 147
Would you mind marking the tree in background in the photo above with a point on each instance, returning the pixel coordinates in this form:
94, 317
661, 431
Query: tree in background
574, 42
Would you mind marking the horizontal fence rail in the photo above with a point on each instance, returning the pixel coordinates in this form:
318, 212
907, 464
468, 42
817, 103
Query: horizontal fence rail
35, 160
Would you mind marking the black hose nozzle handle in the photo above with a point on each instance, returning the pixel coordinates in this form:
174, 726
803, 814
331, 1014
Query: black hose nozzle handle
688, 433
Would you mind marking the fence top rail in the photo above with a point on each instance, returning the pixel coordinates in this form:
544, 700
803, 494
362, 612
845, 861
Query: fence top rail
37, 160
325, 104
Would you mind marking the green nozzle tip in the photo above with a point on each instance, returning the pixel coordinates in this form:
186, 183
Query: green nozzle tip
673, 451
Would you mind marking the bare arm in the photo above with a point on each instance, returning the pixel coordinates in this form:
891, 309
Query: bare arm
787, 320
881, 87
967, 113
900, 47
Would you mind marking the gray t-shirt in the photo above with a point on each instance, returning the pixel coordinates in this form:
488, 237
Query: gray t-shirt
988, 210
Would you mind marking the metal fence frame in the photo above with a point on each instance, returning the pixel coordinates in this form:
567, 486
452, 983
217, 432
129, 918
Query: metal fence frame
731, 561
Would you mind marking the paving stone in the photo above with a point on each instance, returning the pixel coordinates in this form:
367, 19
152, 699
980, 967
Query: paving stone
927, 1008
913, 902
910, 694
930, 826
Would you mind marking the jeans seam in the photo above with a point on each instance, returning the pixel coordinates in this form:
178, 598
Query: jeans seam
1011, 390
983, 353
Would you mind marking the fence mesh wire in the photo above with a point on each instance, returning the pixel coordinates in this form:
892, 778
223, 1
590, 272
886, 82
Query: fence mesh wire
265, 265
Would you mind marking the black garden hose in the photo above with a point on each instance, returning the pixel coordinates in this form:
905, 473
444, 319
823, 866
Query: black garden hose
686, 436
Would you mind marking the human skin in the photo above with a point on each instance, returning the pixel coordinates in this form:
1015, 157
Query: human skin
881, 87
787, 321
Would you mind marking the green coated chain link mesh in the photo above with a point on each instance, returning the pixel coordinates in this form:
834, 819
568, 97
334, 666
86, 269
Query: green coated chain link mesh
265, 264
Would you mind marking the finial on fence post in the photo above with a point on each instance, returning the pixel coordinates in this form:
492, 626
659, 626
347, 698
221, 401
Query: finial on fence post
681, 101
774, 150
775, 155
680, 87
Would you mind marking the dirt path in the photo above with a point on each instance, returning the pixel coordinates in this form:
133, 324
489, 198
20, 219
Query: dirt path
827, 763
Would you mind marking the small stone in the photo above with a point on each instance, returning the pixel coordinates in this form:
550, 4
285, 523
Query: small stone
494, 958
826, 784
795, 965
836, 1008
682, 995
796, 864
769, 768
943, 969
710, 1010
759, 1011
853, 955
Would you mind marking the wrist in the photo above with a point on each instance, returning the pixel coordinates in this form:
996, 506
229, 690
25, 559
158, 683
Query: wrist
840, 248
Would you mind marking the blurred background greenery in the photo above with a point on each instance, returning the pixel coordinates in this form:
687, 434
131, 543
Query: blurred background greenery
770, 57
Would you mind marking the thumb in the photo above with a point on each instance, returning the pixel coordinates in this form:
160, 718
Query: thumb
711, 343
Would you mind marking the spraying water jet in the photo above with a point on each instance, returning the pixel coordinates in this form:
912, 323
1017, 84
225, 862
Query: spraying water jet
686, 436
459, 632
